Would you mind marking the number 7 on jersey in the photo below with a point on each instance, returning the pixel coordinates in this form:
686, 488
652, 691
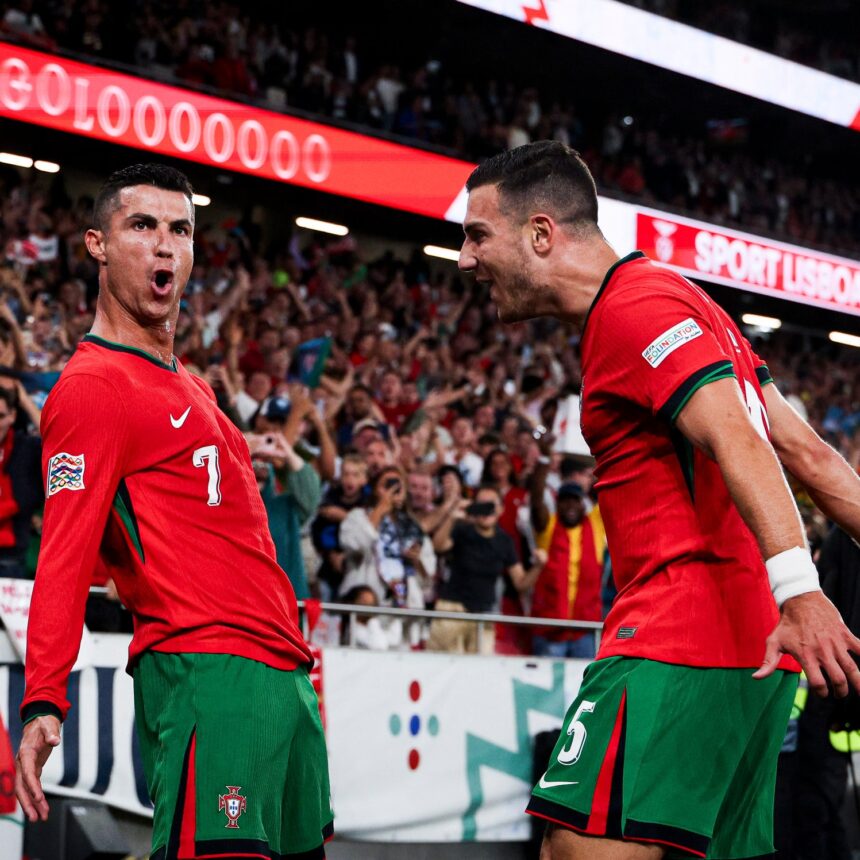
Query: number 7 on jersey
208, 456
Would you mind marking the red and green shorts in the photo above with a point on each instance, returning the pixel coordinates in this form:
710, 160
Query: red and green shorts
674, 755
234, 756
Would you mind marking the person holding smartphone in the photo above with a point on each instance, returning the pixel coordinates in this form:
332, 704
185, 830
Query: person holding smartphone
480, 554
386, 549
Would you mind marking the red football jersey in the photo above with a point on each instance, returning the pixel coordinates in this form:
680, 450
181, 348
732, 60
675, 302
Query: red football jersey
147, 477
692, 586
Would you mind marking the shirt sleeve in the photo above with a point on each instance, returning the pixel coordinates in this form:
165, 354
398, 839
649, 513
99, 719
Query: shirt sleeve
510, 552
84, 446
459, 531
659, 352
762, 371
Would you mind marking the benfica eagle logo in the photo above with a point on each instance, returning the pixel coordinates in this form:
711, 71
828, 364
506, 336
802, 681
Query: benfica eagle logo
233, 805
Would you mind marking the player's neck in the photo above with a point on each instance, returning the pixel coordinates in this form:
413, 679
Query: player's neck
579, 278
157, 340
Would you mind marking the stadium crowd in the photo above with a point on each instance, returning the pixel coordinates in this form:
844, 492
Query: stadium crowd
401, 437
711, 172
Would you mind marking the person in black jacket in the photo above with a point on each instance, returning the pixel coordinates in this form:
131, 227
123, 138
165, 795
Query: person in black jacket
822, 771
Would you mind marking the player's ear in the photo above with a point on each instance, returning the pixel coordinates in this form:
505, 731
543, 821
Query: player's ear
542, 229
95, 242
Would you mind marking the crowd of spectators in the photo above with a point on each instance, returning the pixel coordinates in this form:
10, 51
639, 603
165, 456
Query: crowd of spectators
399, 433
709, 171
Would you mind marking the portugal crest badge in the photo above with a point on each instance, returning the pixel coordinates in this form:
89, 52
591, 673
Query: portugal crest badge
233, 805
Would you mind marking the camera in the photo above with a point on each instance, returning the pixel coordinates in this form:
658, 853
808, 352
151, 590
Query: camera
481, 509
391, 483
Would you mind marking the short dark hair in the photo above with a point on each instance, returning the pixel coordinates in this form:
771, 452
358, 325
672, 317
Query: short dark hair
545, 175
10, 397
157, 175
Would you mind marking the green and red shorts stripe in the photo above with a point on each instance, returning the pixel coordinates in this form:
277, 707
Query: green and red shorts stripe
235, 759
672, 755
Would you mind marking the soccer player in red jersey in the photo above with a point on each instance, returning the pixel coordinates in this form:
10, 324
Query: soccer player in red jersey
146, 476
670, 747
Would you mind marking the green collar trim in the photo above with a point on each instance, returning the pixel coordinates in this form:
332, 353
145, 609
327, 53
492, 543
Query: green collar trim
122, 347
633, 255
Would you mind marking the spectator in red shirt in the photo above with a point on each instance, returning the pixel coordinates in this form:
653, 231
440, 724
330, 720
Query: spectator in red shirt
391, 403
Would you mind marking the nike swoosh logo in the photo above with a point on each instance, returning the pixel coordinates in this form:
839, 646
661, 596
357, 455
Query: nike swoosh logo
545, 783
178, 422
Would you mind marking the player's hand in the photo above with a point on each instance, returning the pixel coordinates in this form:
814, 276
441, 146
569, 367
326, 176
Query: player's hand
40, 736
812, 631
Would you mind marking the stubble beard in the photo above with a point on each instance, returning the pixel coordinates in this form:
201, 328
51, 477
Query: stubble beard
521, 298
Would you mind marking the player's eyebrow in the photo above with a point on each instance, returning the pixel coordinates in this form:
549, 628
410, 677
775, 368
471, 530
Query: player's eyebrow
149, 220
472, 226
152, 221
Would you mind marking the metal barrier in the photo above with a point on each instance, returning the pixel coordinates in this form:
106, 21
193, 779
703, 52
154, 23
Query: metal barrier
427, 615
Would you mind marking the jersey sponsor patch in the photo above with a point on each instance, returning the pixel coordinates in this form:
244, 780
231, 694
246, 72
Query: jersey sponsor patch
670, 340
65, 472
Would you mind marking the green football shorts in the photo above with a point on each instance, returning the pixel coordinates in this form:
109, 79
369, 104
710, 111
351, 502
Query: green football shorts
674, 755
234, 756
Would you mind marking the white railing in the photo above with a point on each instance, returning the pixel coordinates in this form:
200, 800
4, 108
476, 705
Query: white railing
352, 611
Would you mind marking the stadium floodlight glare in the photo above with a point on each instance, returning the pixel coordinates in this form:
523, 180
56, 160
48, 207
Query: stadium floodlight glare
321, 226
759, 321
847, 339
200, 200
442, 253
15, 160
47, 166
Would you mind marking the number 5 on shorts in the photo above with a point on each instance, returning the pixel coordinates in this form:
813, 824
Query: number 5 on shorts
571, 752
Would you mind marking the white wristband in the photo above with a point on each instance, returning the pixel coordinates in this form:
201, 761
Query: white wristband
791, 573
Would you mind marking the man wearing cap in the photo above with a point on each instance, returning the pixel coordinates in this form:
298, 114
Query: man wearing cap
366, 431
569, 584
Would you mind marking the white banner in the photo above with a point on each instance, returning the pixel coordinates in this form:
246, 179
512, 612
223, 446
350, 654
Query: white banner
435, 747
15, 597
98, 757
566, 428
423, 747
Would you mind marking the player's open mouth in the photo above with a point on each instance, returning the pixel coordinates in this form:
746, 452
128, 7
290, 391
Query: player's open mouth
162, 282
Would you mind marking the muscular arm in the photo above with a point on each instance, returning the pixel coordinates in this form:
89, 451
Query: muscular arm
716, 420
830, 481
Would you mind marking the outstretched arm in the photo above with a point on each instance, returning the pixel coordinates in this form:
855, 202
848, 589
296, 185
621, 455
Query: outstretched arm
830, 481
717, 421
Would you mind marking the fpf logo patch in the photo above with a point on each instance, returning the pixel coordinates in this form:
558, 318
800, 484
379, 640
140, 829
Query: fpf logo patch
65, 472
233, 805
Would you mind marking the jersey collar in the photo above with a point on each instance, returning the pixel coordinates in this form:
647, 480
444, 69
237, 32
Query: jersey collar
633, 255
122, 347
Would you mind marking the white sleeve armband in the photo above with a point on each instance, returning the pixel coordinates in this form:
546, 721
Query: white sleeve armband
791, 573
